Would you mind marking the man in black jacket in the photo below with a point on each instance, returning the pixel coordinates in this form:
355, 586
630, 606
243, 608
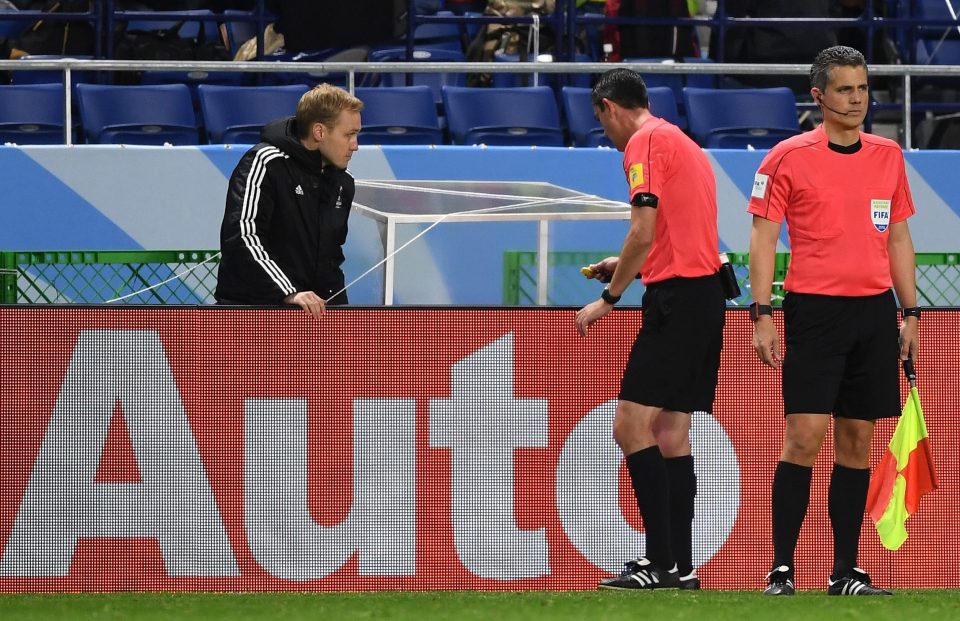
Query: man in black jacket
287, 206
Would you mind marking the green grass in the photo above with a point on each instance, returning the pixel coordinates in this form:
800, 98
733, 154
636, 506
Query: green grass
935, 605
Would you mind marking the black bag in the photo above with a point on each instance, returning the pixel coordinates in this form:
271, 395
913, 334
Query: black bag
167, 44
154, 45
728, 279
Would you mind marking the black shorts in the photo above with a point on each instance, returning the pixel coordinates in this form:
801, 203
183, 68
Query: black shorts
676, 356
842, 356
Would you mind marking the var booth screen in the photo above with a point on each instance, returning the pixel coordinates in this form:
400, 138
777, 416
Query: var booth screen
212, 449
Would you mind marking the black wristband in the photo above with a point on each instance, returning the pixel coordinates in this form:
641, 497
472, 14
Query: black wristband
913, 311
757, 309
608, 297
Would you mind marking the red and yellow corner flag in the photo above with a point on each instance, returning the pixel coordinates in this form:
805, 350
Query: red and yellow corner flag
904, 474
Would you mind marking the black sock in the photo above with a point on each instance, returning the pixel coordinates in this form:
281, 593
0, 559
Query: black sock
791, 496
846, 501
683, 491
649, 476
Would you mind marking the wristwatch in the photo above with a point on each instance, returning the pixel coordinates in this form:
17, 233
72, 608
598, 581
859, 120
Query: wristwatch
913, 311
608, 297
757, 309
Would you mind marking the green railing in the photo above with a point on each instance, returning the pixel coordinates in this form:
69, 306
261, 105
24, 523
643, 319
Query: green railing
118, 277
938, 278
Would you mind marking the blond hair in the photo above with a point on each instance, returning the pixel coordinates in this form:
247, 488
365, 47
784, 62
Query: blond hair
323, 104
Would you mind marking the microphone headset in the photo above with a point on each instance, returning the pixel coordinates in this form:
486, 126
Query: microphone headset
835, 111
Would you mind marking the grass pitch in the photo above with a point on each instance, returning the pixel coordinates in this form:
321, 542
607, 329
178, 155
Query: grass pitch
476, 606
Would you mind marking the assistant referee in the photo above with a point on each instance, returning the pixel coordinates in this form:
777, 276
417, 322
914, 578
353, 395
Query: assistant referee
845, 198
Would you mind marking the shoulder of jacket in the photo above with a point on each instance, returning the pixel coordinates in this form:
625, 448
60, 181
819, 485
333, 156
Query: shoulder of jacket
261, 157
266, 152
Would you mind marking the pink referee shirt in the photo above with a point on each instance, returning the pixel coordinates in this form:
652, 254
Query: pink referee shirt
660, 159
838, 208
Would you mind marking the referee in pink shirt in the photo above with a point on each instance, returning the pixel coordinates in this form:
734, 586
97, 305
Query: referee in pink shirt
672, 369
845, 199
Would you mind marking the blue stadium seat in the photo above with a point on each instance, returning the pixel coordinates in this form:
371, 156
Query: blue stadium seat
436, 81
939, 52
511, 80
473, 26
706, 80
314, 76
741, 117
147, 115
399, 115
664, 104
585, 129
46, 76
936, 45
503, 116
10, 28
675, 81
235, 114
448, 36
238, 31
670, 80
937, 9
192, 79
31, 113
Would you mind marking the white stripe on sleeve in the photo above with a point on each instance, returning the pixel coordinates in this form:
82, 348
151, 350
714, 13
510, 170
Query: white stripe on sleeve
248, 214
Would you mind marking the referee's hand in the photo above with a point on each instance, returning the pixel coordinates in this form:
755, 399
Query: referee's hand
308, 301
766, 342
909, 342
603, 270
591, 314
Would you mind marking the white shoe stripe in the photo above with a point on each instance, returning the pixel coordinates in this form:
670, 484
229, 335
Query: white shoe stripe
645, 578
854, 587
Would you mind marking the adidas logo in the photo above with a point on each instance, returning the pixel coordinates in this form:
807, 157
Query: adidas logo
298, 190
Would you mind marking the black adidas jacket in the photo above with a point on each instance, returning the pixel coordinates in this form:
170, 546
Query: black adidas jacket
285, 222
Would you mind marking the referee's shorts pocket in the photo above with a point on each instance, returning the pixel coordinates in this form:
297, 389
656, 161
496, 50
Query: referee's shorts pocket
657, 307
807, 315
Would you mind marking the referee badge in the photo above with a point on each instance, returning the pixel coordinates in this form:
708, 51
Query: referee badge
759, 186
636, 175
880, 214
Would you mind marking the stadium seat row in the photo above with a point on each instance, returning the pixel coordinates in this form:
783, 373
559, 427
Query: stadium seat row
522, 116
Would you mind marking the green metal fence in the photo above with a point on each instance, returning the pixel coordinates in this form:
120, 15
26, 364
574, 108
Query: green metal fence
938, 278
189, 277
119, 277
